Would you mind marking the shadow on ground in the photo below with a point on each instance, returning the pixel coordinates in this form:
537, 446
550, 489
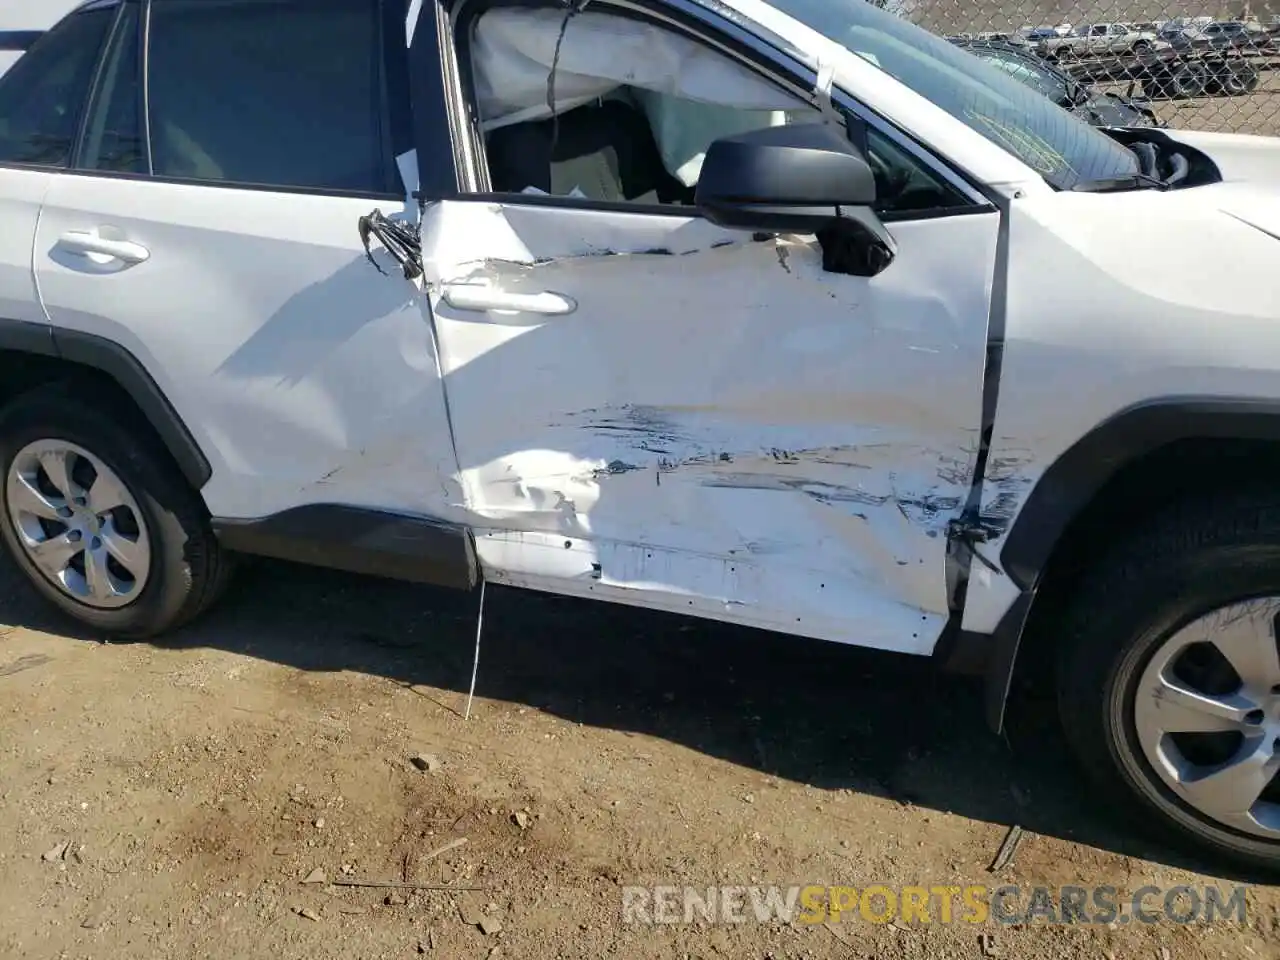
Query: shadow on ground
806, 711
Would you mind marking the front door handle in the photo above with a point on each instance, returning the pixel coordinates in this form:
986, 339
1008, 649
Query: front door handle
474, 296
101, 249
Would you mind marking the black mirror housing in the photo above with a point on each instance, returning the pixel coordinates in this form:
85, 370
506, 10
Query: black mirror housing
788, 179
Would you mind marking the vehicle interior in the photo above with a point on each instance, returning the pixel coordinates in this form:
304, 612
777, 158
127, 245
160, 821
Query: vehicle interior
635, 105
609, 106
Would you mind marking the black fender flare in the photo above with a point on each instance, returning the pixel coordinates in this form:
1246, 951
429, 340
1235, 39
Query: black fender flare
1072, 481
116, 362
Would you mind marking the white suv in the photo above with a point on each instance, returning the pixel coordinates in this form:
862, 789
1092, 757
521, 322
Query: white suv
786, 314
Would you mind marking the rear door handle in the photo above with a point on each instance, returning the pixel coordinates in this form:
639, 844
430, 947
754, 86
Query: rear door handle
102, 250
474, 296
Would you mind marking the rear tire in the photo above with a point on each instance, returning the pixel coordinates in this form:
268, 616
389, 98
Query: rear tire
1125, 656
1238, 83
144, 567
1188, 81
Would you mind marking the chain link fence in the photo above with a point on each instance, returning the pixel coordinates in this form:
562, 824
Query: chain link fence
1194, 67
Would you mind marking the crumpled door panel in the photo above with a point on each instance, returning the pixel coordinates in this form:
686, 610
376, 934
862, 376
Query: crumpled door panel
679, 416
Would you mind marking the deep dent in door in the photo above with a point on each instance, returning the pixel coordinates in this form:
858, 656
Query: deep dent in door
537, 512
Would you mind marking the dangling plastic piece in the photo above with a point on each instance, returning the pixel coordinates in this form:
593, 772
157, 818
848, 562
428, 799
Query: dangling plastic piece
822, 93
571, 9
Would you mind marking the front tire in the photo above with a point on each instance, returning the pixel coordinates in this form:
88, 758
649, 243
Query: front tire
1168, 676
97, 517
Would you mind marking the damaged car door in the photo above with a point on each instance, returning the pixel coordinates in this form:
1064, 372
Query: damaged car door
653, 408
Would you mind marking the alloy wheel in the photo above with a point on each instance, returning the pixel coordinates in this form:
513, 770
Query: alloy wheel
1206, 712
78, 524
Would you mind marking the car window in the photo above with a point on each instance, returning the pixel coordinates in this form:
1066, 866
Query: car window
113, 134
903, 185
1064, 149
268, 92
1034, 76
42, 95
637, 106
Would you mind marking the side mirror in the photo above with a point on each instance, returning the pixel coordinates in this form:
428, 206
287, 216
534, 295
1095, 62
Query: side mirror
788, 179
806, 178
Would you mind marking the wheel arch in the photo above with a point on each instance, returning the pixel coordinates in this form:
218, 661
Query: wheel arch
32, 354
1109, 479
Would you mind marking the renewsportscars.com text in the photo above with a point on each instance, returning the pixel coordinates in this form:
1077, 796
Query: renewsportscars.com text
943, 903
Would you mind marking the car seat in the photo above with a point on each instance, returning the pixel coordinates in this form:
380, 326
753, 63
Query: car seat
605, 150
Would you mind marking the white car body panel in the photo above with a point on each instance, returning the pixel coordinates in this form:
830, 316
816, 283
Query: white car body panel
1131, 319
304, 374
1239, 157
21, 193
719, 426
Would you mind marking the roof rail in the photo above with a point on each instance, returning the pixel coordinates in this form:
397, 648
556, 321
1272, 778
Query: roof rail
18, 39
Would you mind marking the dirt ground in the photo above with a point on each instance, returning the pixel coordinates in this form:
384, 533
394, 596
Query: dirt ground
196, 784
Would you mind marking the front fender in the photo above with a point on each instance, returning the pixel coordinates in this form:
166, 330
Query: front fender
1076, 480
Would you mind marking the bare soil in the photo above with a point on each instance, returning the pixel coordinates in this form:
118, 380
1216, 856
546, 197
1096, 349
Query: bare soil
198, 782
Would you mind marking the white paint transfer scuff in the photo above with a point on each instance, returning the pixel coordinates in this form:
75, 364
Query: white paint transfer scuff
750, 591
781, 445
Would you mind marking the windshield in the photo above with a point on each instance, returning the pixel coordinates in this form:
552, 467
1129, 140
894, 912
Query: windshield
1065, 150
1026, 72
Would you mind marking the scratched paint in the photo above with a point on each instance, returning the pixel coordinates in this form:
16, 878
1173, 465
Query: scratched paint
1139, 327
721, 428
1010, 475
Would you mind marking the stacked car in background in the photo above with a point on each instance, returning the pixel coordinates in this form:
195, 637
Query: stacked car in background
1171, 59
1098, 107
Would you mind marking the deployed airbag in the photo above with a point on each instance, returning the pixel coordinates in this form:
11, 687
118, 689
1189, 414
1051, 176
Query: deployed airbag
514, 49
685, 129
690, 93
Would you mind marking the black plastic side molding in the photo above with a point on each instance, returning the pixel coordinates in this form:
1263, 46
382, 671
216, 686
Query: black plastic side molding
108, 357
123, 367
360, 540
1077, 475
1003, 655
26, 337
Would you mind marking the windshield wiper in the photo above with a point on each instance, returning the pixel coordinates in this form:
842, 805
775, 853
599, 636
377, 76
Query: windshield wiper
1148, 179
1137, 181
